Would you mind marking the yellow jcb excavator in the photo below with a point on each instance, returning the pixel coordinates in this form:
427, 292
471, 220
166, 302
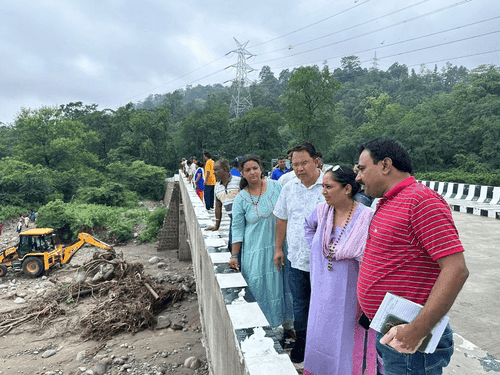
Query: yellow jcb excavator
37, 253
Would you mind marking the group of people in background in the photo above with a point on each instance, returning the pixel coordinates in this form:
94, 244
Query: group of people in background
319, 260
24, 221
202, 175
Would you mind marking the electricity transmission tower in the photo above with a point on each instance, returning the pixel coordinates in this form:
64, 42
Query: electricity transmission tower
241, 101
375, 62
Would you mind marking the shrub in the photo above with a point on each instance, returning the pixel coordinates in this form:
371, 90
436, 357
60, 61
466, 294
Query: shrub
11, 211
110, 194
123, 230
154, 223
139, 214
147, 181
68, 218
55, 215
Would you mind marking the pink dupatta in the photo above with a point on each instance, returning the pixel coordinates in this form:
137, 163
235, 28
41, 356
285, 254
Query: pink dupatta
354, 245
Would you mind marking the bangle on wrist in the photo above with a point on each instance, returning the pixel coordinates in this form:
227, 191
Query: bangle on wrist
234, 256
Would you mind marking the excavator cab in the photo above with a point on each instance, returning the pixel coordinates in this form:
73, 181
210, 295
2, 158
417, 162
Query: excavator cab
40, 240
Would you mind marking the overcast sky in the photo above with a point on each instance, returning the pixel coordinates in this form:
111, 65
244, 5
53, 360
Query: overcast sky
111, 52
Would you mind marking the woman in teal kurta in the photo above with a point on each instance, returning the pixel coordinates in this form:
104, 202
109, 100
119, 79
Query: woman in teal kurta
254, 226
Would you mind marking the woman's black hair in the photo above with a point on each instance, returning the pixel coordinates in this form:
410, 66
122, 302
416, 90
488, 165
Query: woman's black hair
345, 176
246, 158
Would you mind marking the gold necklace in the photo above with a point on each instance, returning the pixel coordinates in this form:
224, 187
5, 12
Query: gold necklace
332, 248
255, 204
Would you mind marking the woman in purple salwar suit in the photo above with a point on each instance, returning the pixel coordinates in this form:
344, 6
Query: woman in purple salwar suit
336, 232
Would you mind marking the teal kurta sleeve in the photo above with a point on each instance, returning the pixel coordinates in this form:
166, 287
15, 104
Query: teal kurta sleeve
238, 225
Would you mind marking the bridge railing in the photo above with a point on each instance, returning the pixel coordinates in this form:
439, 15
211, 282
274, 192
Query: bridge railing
473, 199
237, 335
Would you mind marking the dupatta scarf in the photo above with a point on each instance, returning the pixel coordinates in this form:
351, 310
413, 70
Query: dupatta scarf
354, 245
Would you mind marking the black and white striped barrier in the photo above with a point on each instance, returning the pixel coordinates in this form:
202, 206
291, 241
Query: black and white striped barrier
472, 199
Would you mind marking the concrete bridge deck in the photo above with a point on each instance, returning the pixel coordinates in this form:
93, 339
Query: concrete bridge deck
475, 314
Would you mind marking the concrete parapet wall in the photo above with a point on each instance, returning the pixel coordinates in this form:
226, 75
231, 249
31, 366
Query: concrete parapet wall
238, 338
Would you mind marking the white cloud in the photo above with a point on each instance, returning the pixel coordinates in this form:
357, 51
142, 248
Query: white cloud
87, 66
198, 48
94, 51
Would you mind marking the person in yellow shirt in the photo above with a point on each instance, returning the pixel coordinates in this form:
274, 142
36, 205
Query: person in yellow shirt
209, 181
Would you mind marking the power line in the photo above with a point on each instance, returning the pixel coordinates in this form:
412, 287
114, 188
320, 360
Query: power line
346, 29
312, 24
437, 45
420, 37
355, 37
456, 58
199, 79
169, 82
370, 32
403, 41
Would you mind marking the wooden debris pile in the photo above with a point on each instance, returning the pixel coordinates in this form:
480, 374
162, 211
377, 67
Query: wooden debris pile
130, 306
32, 314
126, 300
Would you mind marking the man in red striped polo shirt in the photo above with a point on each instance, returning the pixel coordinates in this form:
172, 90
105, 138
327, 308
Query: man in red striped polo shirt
413, 251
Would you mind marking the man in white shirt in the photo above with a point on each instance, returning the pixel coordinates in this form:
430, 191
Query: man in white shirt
193, 168
297, 200
287, 177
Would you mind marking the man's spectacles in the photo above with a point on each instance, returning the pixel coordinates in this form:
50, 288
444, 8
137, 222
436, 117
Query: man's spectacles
303, 163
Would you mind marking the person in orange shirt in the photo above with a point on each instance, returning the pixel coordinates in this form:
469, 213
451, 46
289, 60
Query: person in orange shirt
209, 181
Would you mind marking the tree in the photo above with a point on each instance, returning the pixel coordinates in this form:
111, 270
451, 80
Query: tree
77, 111
206, 129
380, 118
397, 71
309, 103
428, 134
47, 137
268, 80
453, 75
94, 120
283, 79
7, 140
173, 102
147, 181
257, 132
145, 137
350, 69
22, 183
476, 107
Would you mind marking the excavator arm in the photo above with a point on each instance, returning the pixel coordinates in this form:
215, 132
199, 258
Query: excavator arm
83, 238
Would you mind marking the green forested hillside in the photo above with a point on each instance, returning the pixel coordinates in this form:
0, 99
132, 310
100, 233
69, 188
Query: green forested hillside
449, 120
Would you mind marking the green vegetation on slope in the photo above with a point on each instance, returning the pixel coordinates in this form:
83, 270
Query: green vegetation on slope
449, 120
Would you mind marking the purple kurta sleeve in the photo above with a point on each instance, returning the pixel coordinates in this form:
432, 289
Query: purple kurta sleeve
310, 225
